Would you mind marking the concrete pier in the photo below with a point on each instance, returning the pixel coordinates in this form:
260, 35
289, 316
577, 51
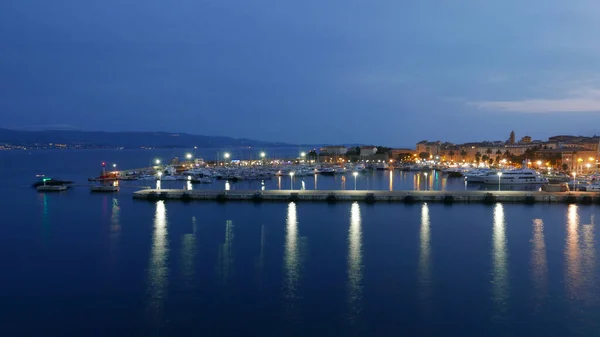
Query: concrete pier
447, 197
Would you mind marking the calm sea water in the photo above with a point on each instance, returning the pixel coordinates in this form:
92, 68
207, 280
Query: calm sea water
81, 264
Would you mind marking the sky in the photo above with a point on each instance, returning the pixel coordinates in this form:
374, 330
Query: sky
388, 72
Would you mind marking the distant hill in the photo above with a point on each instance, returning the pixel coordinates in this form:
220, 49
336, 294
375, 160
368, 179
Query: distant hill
96, 139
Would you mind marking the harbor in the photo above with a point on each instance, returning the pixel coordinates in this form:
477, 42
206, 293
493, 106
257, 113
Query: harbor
332, 196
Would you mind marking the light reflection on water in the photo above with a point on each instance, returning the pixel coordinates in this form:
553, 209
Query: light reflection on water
499, 260
572, 253
115, 230
580, 255
188, 254
539, 263
226, 257
158, 269
291, 258
355, 264
424, 253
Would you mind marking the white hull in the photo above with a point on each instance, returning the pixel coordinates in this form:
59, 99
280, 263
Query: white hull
516, 177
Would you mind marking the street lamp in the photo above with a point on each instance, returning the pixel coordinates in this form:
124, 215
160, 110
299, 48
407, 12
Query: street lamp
426, 182
291, 181
499, 176
226, 155
115, 165
188, 156
355, 174
588, 165
262, 154
157, 161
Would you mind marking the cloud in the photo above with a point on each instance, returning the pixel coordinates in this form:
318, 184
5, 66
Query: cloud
586, 100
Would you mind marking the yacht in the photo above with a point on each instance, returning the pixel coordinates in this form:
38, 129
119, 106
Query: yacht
516, 177
479, 175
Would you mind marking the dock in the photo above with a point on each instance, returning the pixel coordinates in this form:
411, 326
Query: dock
371, 196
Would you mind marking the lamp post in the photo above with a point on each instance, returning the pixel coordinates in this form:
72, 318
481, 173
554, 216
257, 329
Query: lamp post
499, 182
188, 156
291, 181
303, 155
115, 165
159, 174
426, 182
157, 161
226, 156
355, 174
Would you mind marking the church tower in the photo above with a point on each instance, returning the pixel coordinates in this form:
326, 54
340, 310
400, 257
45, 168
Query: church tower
511, 139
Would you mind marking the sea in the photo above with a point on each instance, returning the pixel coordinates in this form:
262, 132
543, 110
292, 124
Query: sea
81, 264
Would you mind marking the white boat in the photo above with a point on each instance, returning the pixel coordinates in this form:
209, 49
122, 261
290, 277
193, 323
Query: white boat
168, 178
479, 175
339, 170
104, 188
595, 187
51, 188
516, 177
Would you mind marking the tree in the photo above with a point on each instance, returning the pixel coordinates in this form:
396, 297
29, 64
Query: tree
489, 152
477, 157
353, 151
485, 158
507, 154
463, 154
451, 154
311, 155
383, 149
491, 161
424, 155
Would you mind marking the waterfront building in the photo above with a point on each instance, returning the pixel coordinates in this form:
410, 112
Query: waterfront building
366, 151
525, 140
333, 150
433, 148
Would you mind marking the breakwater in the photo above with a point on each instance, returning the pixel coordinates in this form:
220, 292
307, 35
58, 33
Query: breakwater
447, 197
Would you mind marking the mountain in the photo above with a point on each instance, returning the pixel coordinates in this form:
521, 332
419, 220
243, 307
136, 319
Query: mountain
94, 139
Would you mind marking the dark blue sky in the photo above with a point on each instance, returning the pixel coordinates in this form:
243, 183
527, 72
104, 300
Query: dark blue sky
338, 71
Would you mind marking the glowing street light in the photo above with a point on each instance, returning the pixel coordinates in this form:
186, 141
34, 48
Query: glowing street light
303, 154
157, 161
426, 182
355, 174
114, 165
499, 176
539, 163
188, 156
291, 181
226, 155
159, 174
262, 154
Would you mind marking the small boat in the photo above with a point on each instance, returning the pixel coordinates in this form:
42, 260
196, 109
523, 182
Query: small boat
51, 188
50, 182
104, 188
595, 187
327, 171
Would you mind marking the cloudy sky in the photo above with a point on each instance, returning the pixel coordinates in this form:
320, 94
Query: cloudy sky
333, 71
